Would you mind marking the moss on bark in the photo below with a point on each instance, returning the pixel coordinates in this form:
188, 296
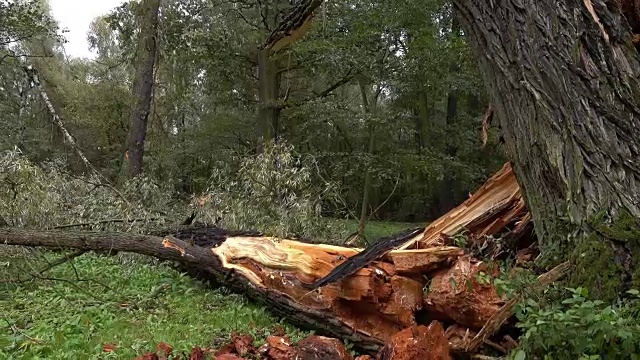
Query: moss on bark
607, 259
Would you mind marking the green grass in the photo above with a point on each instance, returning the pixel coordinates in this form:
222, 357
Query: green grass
115, 300
377, 229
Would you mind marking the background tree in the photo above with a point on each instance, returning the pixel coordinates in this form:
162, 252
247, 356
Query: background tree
142, 85
207, 108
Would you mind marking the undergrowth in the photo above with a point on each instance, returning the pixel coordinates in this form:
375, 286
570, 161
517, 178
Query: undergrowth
47, 196
579, 328
561, 322
273, 191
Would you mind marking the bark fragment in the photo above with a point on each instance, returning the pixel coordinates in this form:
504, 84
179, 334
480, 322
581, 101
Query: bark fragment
278, 348
322, 348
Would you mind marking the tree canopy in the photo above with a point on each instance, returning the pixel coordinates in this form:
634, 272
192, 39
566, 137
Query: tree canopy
411, 61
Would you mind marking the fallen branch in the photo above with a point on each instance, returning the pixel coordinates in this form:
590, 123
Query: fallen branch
98, 222
62, 260
34, 79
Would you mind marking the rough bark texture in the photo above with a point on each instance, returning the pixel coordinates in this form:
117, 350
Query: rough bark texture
564, 79
142, 87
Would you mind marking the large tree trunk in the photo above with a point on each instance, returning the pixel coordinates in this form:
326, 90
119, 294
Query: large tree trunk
564, 79
142, 86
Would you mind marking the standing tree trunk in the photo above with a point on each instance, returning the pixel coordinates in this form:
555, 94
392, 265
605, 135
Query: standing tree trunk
370, 109
422, 121
142, 86
564, 79
268, 96
446, 194
447, 187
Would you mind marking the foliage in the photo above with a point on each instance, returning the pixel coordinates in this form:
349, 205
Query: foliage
203, 117
578, 328
48, 196
74, 310
21, 21
272, 191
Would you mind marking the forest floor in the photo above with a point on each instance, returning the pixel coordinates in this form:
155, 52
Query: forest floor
119, 307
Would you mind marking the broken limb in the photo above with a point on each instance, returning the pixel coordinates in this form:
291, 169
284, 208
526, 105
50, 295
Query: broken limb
366, 308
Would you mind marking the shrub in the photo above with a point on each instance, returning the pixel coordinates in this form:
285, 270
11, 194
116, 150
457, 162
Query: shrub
578, 328
273, 192
47, 196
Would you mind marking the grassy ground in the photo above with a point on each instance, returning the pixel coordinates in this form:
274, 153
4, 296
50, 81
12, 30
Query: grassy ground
128, 301
377, 229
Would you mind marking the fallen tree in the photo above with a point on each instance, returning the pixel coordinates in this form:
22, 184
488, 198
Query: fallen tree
363, 296
366, 308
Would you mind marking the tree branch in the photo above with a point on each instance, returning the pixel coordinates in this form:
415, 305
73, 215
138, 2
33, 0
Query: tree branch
32, 75
50, 266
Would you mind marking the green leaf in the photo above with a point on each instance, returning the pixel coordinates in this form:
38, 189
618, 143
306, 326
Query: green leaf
520, 355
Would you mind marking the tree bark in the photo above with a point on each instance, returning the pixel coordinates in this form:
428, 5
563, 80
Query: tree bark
564, 78
142, 87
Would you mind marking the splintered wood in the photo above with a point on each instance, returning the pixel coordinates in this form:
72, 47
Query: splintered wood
378, 300
382, 293
489, 211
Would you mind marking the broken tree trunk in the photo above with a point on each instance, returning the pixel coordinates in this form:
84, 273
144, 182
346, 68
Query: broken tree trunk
365, 299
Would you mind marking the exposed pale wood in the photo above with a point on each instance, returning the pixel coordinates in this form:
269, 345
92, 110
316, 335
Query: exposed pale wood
495, 204
376, 300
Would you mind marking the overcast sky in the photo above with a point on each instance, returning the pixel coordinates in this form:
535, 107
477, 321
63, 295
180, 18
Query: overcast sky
75, 16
